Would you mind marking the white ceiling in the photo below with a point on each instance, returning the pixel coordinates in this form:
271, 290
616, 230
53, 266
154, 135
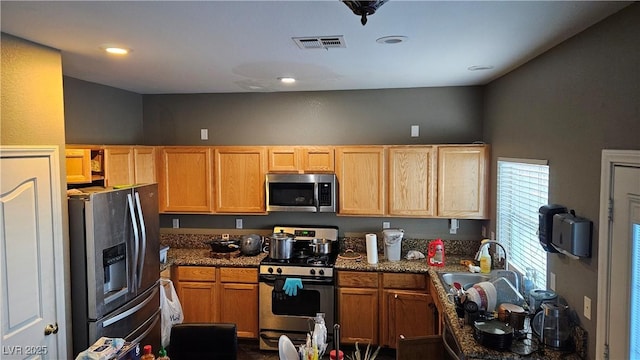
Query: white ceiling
244, 46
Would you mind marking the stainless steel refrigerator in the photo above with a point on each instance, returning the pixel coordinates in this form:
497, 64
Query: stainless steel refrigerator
115, 265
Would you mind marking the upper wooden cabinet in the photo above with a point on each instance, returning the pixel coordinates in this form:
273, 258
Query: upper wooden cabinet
361, 176
184, 180
78, 166
144, 161
412, 181
463, 177
239, 179
301, 159
119, 165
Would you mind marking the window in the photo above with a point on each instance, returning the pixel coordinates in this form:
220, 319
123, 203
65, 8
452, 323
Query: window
523, 187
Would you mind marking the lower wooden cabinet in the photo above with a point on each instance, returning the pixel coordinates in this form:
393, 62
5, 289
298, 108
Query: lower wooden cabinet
211, 294
378, 308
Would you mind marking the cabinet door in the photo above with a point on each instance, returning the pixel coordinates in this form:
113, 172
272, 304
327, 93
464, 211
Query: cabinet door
283, 159
360, 172
463, 173
239, 177
145, 164
118, 163
78, 166
358, 315
318, 159
409, 314
412, 178
185, 179
197, 300
239, 305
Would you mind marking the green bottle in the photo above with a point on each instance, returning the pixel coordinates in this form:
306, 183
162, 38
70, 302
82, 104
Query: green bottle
162, 355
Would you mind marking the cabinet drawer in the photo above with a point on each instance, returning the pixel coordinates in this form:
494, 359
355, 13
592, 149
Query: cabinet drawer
358, 279
239, 275
404, 281
196, 273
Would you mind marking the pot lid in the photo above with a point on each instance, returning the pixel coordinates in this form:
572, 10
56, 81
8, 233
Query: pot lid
493, 327
281, 235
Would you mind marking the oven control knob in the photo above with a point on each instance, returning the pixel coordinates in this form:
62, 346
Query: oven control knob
312, 271
270, 270
279, 271
321, 272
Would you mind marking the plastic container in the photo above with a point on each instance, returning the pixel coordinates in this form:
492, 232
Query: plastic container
506, 292
485, 260
435, 253
392, 243
147, 353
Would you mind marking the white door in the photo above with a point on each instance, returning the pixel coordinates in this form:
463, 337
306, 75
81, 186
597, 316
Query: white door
619, 291
32, 316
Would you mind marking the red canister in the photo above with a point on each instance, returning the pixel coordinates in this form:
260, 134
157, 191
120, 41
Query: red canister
435, 253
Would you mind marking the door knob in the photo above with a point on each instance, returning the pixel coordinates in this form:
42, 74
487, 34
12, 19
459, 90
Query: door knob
51, 329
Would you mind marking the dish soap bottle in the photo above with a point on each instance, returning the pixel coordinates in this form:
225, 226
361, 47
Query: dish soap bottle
485, 259
436, 253
147, 354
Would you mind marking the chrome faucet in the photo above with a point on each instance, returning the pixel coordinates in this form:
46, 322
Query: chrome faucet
486, 242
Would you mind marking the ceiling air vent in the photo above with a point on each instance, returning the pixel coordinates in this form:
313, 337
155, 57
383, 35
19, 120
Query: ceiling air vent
320, 42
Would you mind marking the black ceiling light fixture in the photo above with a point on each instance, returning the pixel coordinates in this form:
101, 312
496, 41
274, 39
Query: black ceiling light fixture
364, 8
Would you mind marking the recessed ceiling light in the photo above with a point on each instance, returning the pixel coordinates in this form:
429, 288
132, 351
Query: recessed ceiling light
116, 50
392, 39
480, 67
287, 80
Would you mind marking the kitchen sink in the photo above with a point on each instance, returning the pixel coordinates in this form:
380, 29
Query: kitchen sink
465, 279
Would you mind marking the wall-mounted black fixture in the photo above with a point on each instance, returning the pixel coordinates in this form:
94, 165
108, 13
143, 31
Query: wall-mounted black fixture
364, 8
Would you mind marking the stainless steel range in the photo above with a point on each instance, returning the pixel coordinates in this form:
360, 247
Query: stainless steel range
293, 315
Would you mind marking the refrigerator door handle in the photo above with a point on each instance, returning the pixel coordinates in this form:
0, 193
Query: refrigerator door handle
147, 331
129, 312
136, 240
143, 232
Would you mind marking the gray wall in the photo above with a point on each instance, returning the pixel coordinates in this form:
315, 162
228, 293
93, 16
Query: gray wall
566, 106
100, 114
445, 115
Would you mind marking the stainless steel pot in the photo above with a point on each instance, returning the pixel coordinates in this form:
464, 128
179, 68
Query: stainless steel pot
251, 245
321, 246
281, 245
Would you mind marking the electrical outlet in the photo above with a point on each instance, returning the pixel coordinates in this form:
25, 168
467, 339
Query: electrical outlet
484, 231
204, 134
587, 307
238, 223
552, 281
386, 224
176, 223
415, 130
493, 235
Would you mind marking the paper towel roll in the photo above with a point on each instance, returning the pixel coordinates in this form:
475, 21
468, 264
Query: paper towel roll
372, 248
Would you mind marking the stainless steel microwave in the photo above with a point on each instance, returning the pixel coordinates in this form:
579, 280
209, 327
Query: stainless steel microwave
301, 192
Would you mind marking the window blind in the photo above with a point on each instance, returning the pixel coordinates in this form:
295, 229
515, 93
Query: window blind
523, 186
634, 327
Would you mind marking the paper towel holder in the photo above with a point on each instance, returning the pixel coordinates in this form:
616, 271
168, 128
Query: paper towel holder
572, 235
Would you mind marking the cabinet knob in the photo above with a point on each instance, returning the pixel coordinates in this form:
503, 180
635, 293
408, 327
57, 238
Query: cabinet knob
395, 296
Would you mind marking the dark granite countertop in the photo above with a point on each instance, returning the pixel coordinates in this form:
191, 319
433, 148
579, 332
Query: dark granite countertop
464, 335
202, 257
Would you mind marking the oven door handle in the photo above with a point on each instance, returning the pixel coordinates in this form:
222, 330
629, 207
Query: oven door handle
270, 279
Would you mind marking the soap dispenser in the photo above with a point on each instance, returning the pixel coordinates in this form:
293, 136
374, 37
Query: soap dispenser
485, 259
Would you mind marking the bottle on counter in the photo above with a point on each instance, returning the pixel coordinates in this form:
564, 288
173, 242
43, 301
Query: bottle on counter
162, 355
147, 353
485, 260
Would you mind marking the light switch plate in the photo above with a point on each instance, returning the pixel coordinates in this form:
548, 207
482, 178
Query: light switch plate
386, 224
587, 307
415, 130
238, 223
552, 281
176, 223
204, 134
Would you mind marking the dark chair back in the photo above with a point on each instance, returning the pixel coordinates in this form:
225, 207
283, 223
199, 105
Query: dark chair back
203, 341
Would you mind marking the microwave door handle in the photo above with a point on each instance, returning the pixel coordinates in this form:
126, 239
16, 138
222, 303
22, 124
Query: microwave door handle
143, 233
315, 196
136, 241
